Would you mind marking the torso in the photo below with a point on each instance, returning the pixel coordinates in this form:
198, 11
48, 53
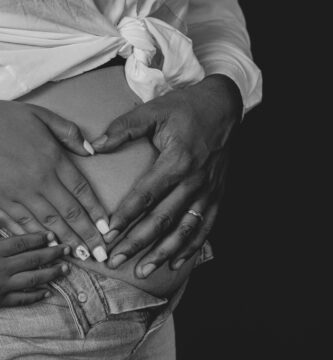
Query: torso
93, 100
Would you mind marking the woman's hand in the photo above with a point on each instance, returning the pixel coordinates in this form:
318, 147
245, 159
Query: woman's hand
21, 275
190, 128
40, 188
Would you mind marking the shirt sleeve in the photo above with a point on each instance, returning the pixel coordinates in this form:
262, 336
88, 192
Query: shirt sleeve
222, 45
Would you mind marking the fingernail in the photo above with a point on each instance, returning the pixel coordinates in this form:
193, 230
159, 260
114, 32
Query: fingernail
64, 268
147, 269
117, 260
102, 226
100, 254
100, 142
82, 253
178, 264
47, 294
109, 237
50, 236
67, 250
88, 147
52, 243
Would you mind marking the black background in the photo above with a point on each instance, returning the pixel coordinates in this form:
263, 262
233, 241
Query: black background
265, 294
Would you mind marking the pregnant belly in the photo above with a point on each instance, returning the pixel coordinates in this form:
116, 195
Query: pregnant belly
92, 101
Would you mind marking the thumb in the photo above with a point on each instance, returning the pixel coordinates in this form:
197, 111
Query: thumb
128, 127
65, 131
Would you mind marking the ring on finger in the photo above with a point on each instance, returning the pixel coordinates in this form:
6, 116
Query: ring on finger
195, 213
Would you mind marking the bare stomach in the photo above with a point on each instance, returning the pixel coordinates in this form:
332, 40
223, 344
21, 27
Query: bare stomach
92, 101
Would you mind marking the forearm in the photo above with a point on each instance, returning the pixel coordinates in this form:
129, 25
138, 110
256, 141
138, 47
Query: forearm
222, 45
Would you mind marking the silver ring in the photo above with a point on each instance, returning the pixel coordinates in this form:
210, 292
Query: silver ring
196, 214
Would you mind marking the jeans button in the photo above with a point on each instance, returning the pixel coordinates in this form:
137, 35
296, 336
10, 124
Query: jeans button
82, 297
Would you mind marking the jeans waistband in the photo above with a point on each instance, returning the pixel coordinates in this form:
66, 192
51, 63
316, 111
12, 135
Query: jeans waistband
93, 298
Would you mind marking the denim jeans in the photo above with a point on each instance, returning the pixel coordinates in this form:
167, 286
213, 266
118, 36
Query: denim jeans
91, 317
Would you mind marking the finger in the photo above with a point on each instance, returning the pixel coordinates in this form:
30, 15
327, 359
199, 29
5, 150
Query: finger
67, 132
33, 260
158, 222
23, 243
200, 237
169, 169
52, 220
80, 188
171, 244
35, 278
21, 298
75, 216
10, 224
4, 233
125, 128
23, 217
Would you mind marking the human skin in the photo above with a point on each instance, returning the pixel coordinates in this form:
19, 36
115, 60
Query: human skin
103, 95
165, 280
21, 259
39, 185
190, 128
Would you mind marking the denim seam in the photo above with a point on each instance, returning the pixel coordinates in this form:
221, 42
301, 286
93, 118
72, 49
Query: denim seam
149, 331
100, 294
71, 308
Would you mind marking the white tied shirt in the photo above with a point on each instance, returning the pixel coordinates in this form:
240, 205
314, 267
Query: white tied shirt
168, 44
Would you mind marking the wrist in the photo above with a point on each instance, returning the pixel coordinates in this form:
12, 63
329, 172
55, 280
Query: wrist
225, 93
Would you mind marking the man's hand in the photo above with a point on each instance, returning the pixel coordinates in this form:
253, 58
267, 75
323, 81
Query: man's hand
190, 128
40, 188
21, 274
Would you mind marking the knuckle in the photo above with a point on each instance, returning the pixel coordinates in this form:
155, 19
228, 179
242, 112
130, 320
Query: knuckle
33, 281
34, 262
162, 254
92, 236
73, 213
24, 220
134, 246
50, 219
21, 245
81, 188
69, 238
146, 197
197, 181
185, 231
162, 222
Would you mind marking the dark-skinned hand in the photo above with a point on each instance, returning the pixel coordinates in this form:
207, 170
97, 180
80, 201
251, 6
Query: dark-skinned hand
190, 129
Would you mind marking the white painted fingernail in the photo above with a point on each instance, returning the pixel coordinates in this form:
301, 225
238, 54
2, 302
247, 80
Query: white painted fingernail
100, 254
82, 253
88, 147
147, 269
102, 226
52, 243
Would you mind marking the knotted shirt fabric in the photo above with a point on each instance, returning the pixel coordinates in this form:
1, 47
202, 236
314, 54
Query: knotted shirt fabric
168, 44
